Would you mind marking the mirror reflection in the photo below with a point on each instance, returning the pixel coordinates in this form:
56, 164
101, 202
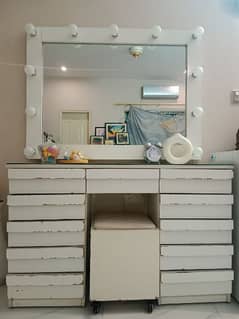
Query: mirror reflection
113, 94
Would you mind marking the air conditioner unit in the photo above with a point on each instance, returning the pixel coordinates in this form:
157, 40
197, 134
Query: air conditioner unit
155, 92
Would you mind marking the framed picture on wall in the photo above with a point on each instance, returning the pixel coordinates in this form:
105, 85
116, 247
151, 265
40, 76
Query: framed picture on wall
97, 140
112, 128
100, 131
122, 138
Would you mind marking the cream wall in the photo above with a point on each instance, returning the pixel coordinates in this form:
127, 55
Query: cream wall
221, 57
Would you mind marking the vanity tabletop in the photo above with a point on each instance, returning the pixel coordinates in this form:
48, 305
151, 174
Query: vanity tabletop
118, 164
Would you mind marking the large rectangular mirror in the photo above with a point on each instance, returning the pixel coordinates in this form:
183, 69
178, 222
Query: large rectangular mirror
114, 94
95, 91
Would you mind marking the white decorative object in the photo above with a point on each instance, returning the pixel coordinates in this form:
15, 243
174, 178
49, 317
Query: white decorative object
197, 153
74, 30
30, 29
170, 152
30, 70
29, 151
114, 30
197, 72
130, 36
198, 33
197, 112
30, 111
156, 31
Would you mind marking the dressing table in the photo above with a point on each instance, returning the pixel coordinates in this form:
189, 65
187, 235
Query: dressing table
50, 206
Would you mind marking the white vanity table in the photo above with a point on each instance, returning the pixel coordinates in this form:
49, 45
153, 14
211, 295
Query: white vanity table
48, 210
50, 206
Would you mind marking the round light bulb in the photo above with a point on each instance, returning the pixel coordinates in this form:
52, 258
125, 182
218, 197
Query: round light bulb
114, 30
197, 112
156, 31
74, 30
63, 68
30, 29
29, 151
197, 72
30, 111
198, 33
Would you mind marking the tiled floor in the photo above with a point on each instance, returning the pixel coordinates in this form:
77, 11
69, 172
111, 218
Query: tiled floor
123, 311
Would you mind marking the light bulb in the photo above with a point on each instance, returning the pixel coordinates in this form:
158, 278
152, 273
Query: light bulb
30, 111
29, 151
63, 68
198, 33
197, 112
30, 29
197, 153
114, 30
30, 70
196, 72
156, 31
74, 30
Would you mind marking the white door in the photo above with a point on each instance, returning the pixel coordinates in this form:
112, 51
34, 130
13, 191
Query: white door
75, 127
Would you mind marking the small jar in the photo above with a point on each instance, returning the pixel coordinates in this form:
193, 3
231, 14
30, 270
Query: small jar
49, 152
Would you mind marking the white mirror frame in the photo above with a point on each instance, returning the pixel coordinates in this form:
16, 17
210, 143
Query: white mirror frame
72, 34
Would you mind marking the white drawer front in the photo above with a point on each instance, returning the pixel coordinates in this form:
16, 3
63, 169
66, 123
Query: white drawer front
44, 186
189, 263
196, 283
123, 181
46, 292
196, 237
45, 286
195, 181
43, 207
196, 250
195, 186
196, 211
196, 206
52, 233
38, 181
46, 265
215, 174
35, 260
196, 225
196, 257
46, 173
172, 277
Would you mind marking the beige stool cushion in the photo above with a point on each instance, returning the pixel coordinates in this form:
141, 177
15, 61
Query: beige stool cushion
121, 221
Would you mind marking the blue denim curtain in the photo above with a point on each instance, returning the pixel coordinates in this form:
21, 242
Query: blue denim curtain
153, 125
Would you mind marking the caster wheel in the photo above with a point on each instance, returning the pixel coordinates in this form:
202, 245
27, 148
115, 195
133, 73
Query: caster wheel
96, 307
150, 307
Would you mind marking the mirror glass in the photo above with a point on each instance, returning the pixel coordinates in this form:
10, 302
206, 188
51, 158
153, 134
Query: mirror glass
113, 94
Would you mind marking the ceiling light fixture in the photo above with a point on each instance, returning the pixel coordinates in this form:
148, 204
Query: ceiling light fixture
63, 68
136, 51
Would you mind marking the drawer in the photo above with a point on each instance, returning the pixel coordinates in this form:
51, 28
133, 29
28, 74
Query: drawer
196, 206
47, 233
195, 181
38, 181
196, 231
196, 257
43, 207
34, 260
193, 283
196, 225
38, 286
122, 181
